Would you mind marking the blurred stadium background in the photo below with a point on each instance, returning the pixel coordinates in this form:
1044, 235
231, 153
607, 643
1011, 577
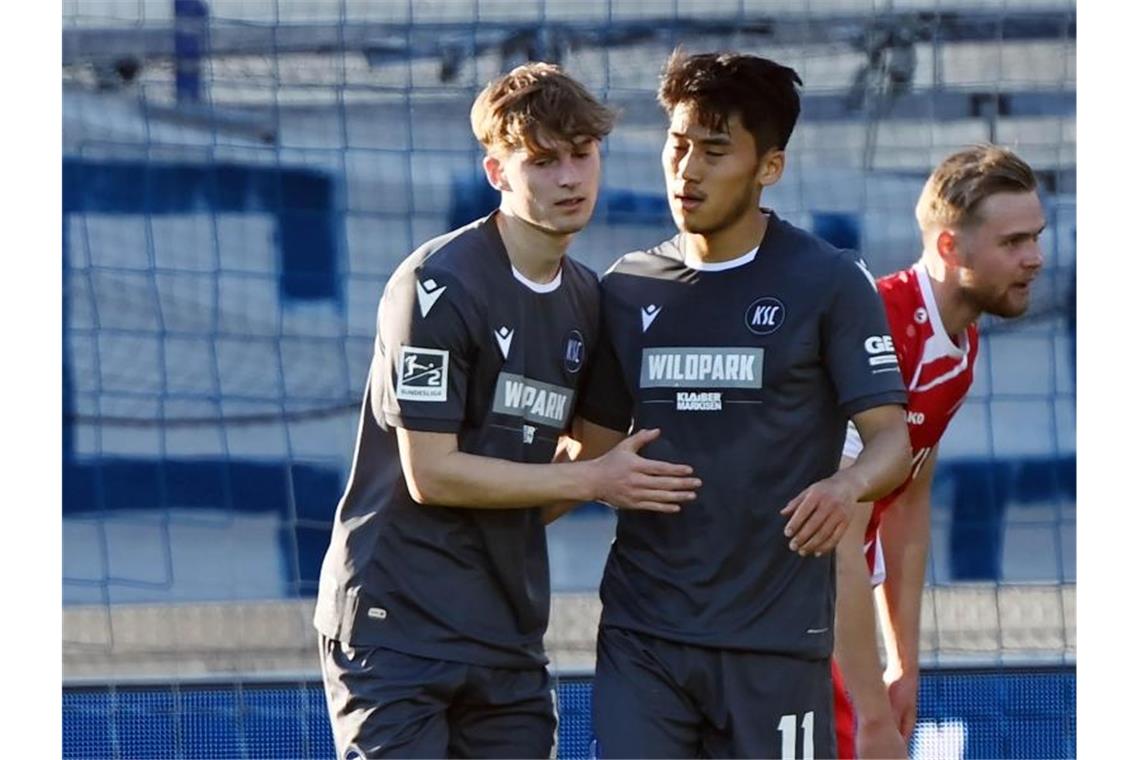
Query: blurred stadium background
240, 177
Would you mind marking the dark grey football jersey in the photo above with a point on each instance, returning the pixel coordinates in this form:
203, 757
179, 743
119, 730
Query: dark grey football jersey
464, 346
751, 372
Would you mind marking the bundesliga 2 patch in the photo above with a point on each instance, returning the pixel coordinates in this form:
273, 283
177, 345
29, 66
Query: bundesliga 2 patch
422, 374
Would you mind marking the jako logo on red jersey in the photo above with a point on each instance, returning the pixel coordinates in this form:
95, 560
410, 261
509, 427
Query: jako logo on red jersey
915, 418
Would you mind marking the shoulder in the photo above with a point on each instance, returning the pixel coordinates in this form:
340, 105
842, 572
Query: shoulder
442, 270
651, 262
816, 261
805, 245
578, 275
447, 263
803, 242
899, 286
903, 301
461, 253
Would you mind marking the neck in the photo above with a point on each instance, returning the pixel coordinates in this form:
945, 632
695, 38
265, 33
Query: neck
954, 308
534, 252
729, 243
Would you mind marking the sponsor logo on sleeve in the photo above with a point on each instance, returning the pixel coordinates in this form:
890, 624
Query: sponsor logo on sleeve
423, 374
881, 350
764, 315
427, 293
574, 353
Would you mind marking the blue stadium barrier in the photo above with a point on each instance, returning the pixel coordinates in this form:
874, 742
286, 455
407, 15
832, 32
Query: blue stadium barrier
304, 202
1008, 713
982, 490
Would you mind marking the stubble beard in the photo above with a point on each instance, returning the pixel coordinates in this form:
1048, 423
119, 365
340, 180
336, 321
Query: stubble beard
998, 304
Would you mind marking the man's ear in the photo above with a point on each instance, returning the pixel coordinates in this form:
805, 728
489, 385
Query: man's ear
771, 167
949, 249
493, 168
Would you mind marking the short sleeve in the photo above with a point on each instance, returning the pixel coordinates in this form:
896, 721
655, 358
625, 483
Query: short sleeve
423, 354
858, 349
606, 400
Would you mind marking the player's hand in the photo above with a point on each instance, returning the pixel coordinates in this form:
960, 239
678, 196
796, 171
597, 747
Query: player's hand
626, 480
902, 689
879, 740
819, 515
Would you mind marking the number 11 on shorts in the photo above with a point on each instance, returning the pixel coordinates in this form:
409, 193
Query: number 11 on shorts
787, 729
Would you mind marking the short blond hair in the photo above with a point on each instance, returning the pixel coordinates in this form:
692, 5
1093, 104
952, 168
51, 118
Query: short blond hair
956, 188
533, 103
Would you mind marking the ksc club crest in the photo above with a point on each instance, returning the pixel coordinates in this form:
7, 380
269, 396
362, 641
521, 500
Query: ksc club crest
765, 315
574, 352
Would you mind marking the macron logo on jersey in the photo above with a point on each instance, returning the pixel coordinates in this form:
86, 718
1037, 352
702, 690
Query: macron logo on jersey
427, 293
503, 337
648, 314
702, 367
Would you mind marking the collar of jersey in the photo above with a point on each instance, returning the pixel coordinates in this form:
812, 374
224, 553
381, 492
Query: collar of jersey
539, 287
942, 343
692, 262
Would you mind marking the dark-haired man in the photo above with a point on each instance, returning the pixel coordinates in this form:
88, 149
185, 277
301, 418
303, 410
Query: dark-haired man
749, 343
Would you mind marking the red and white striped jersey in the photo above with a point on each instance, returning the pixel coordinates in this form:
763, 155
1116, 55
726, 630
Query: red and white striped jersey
937, 371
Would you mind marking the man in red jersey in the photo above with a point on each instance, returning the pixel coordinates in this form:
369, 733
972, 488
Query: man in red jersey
980, 218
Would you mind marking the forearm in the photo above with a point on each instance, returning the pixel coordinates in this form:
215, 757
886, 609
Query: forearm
905, 533
856, 648
459, 479
569, 450
882, 464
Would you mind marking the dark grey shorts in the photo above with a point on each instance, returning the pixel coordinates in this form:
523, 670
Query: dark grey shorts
658, 698
384, 703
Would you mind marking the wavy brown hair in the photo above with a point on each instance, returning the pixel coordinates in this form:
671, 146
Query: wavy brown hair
537, 103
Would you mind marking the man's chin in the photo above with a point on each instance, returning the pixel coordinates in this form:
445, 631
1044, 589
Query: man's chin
1008, 309
561, 226
572, 228
687, 224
